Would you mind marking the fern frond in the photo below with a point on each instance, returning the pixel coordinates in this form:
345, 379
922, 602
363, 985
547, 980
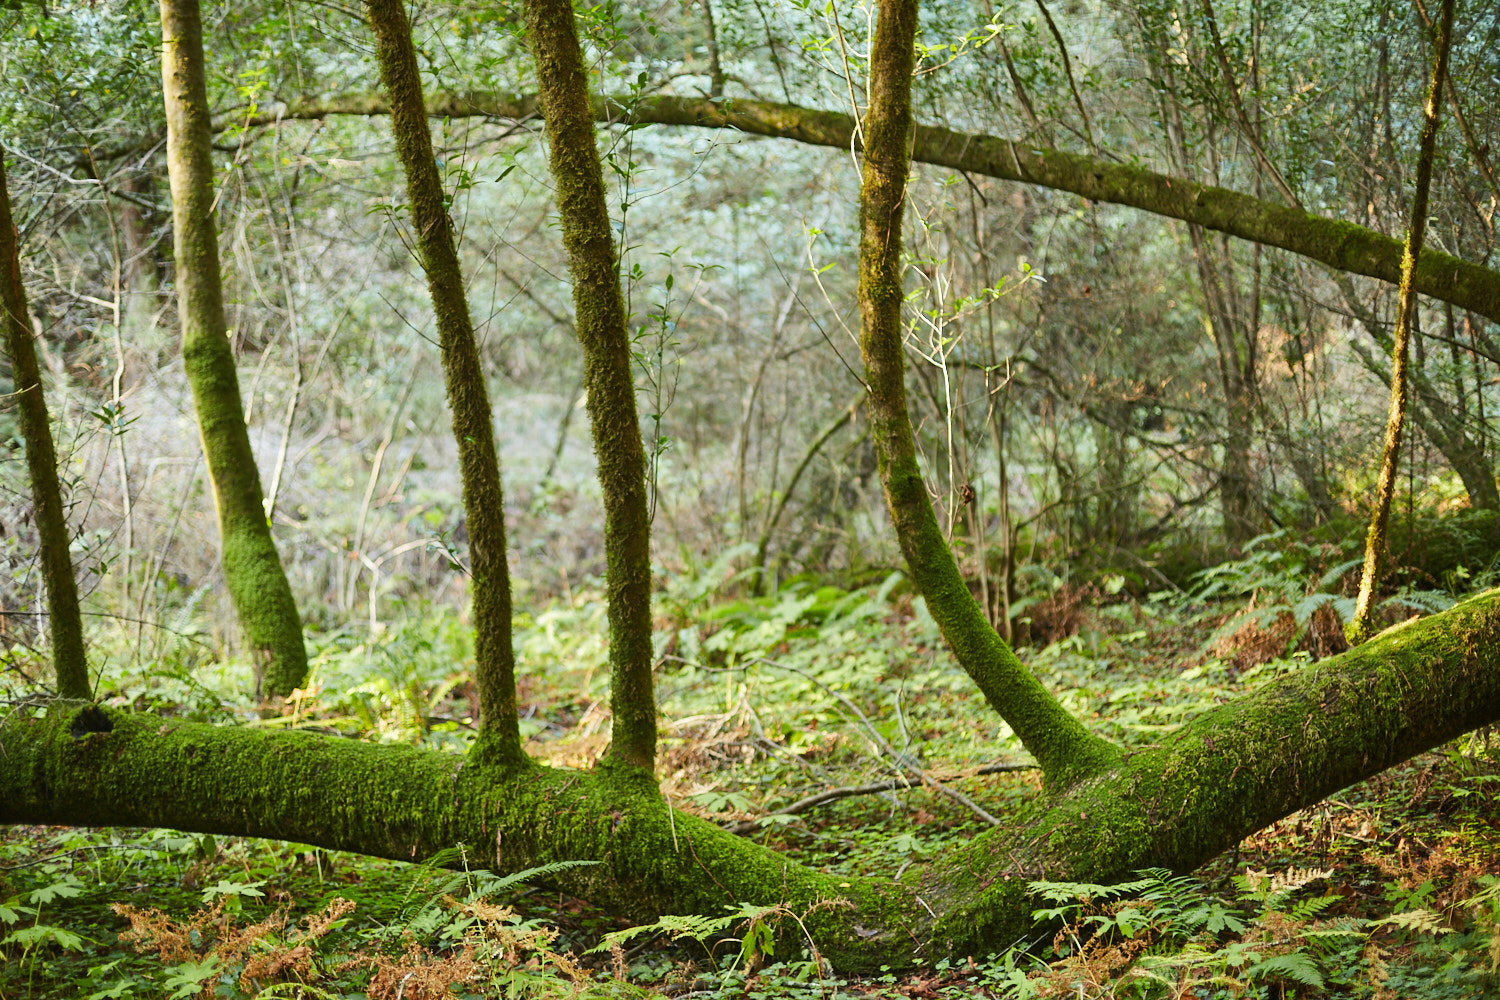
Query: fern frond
1426, 601
1335, 574
1297, 966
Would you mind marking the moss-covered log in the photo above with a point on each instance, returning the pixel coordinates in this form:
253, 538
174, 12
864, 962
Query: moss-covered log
1175, 804
252, 569
1336, 243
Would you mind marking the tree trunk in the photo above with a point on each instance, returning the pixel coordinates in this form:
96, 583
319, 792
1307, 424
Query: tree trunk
257, 583
1361, 627
1227, 773
1063, 747
468, 395
64, 619
1339, 244
599, 319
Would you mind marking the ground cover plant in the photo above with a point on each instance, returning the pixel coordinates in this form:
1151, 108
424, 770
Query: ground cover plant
961, 627
1387, 889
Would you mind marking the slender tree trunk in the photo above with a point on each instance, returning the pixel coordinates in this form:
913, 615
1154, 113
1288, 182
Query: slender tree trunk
468, 396
64, 618
599, 318
1063, 747
1362, 626
257, 583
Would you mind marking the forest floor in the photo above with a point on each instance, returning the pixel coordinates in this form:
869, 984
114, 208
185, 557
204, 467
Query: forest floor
1390, 889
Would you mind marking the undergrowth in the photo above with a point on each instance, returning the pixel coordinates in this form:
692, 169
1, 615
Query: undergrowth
1387, 890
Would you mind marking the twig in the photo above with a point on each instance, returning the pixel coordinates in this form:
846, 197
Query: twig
891, 784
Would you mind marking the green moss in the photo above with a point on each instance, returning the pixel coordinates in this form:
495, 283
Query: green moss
599, 319
257, 583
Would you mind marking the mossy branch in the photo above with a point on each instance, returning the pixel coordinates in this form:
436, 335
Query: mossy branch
1341, 245
1065, 750
257, 583
1361, 627
609, 381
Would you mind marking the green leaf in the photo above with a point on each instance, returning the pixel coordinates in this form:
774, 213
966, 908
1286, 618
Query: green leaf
187, 978
66, 889
12, 911
30, 937
228, 888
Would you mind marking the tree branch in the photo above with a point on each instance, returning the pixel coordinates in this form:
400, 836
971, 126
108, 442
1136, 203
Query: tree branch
1341, 245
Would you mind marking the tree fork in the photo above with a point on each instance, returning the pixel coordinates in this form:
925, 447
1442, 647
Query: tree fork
1228, 772
599, 319
468, 395
65, 621
1065, 750
1341, 245
1360, 628
252, 569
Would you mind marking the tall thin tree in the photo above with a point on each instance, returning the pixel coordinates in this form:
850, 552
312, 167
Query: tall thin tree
1061, 744
64, 618
468, 397
599, 308
257, 582
1361, 626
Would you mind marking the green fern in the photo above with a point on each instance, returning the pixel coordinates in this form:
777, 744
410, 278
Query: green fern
1297, 966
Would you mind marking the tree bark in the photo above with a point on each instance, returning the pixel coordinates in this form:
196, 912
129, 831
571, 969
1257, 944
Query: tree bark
468, 395
257, 583
64, 620
1361, 627
599, 319
1341, 245
1065, 750
1197, 792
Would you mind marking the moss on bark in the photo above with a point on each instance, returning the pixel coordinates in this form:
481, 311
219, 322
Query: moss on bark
1199, 790
257, 583
599, 318
468, 396
1341, 245
1063, 747
1361, 627
64, 619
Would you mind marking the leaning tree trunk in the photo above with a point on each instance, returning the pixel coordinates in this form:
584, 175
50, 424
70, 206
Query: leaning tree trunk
468, 396
1063, 747
257, 583
64, 619
1198, 791
1361, 627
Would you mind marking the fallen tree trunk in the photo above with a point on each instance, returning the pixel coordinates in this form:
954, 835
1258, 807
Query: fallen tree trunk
1174, 804
1338, 244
